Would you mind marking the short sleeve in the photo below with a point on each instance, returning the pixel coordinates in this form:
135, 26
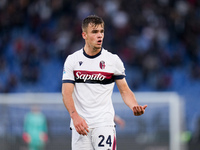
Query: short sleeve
119, 72
68, 75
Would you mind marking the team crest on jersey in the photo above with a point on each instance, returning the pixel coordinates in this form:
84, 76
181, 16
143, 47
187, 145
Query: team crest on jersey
102, 64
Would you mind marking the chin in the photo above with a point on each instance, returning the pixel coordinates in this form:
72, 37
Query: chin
97, 47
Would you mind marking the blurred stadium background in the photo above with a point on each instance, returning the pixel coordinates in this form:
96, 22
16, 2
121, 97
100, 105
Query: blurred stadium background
158, 41
160, 127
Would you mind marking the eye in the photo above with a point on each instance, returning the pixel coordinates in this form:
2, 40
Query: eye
94, 31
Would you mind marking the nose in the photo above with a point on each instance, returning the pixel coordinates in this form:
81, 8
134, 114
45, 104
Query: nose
100, 34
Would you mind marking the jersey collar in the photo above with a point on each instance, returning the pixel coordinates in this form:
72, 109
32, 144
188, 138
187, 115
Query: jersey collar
88, 56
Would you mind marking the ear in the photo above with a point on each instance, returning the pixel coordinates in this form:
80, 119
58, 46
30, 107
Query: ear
84, 35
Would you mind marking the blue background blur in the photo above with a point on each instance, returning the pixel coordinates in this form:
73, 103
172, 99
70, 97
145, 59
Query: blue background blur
158, 41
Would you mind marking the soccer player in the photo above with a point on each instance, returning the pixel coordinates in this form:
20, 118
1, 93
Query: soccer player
88, 79
35, 129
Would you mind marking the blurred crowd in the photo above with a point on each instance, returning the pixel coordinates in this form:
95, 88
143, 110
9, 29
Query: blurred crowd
152, 37
158, 41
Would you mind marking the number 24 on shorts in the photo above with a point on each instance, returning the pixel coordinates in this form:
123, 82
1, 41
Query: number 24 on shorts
108, 141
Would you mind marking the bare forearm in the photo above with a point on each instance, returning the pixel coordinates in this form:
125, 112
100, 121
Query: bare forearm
67, 90
129, 98
69, 104
79, 123
127, 95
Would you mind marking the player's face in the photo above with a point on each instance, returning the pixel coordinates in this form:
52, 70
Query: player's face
94, 36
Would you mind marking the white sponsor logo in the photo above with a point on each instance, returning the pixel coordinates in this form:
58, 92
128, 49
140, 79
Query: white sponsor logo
85, 77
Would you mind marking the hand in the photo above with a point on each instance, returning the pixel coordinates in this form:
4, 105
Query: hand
80, 124
26, 137
44, 137
119, 121
139, 110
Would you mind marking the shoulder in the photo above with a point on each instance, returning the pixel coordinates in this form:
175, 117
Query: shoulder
109, 54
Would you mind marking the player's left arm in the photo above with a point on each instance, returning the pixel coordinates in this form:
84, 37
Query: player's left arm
119, 121
129, 97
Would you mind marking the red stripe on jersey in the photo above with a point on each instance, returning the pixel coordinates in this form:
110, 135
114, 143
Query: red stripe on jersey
93, 73
93, 77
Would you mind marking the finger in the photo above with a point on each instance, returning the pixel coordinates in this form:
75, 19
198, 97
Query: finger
137, 110
135, 113
140, 110
83, 131
143, 109
78, 130
85, 126
87, 130
134, 110
145, 106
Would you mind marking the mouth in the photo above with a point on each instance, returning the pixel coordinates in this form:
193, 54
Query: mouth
99, 42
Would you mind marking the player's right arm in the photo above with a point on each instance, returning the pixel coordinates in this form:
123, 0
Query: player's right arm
79, 123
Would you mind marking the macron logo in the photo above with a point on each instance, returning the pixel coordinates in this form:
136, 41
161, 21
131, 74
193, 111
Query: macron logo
80, 63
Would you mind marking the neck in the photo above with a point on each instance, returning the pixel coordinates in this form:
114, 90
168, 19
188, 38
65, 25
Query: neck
91, 51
